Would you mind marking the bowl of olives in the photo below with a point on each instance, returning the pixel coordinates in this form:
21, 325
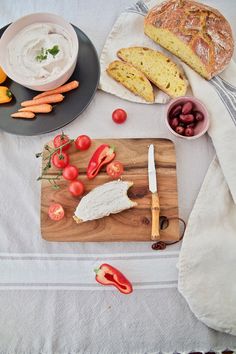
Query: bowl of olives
187, 117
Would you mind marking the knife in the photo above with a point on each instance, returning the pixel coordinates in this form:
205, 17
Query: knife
152, 179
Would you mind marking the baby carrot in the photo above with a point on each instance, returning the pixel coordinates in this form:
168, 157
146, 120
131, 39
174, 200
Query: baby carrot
48, 99
40, 108
61, 89
26, 115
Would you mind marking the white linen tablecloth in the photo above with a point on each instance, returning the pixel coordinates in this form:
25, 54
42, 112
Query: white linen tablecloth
76, 321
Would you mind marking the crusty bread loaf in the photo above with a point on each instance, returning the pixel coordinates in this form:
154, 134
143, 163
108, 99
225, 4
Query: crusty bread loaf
196, 33
158, 68
132, 79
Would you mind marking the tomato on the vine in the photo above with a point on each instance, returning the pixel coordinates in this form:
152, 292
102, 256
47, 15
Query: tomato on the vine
82, 142
60, 140
76, 188
56, 212
60, 159
115, 169
119, 116
70, 172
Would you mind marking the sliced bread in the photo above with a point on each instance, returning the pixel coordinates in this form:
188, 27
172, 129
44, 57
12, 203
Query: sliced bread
133, 79
157, 67
108, 198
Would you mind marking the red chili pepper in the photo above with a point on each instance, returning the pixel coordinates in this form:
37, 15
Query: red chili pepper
108, 275
103, 155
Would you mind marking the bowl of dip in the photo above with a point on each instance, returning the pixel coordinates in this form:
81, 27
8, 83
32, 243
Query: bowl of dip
39, 51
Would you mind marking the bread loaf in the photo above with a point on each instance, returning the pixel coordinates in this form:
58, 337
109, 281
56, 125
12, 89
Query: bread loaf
132, 79
196, 33
157, 67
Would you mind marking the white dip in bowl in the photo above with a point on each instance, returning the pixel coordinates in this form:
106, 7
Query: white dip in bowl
40, 55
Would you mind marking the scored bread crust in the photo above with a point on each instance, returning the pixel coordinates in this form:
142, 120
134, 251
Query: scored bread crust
131, 78
152, 63
202, 28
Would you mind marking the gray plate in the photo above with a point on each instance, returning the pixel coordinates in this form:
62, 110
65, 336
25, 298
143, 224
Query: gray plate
87, 72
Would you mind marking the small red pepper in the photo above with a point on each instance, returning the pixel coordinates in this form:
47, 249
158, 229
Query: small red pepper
103, 155
108, 275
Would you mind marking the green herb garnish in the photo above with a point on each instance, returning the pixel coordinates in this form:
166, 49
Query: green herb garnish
44, 53
54, 50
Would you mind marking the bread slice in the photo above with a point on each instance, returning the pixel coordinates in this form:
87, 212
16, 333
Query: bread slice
132, 79
158, 68
108, 198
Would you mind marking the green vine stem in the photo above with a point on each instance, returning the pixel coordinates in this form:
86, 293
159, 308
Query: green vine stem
51, 180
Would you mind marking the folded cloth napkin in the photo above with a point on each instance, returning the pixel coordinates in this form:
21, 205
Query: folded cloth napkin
207, 266
207, 279
219, 96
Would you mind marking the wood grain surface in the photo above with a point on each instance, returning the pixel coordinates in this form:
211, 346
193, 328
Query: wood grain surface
130, 225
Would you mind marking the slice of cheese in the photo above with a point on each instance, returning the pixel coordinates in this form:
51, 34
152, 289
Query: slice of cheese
109, 198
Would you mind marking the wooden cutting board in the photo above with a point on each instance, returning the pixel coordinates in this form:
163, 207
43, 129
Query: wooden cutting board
129, 225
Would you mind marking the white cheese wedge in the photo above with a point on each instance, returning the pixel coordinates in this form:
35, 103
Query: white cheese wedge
109, 198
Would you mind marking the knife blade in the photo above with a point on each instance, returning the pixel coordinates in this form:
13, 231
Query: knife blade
152, 179
155, 206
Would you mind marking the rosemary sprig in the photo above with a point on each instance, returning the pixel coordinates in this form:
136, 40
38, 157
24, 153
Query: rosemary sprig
52, 180
48, 164
49, 178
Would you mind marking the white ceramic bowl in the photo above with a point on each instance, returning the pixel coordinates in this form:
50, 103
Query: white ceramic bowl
27, 20
201, 127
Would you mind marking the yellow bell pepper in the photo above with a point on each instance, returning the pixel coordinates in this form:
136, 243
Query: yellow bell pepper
5, 94
3, 76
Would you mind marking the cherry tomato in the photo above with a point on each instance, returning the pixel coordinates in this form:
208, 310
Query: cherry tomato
76, 188
70, 172
83, 142
115, 169
60, 159
119, 116
56, 212
60, 140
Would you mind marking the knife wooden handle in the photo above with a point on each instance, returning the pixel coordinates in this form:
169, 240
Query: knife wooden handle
155, 217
